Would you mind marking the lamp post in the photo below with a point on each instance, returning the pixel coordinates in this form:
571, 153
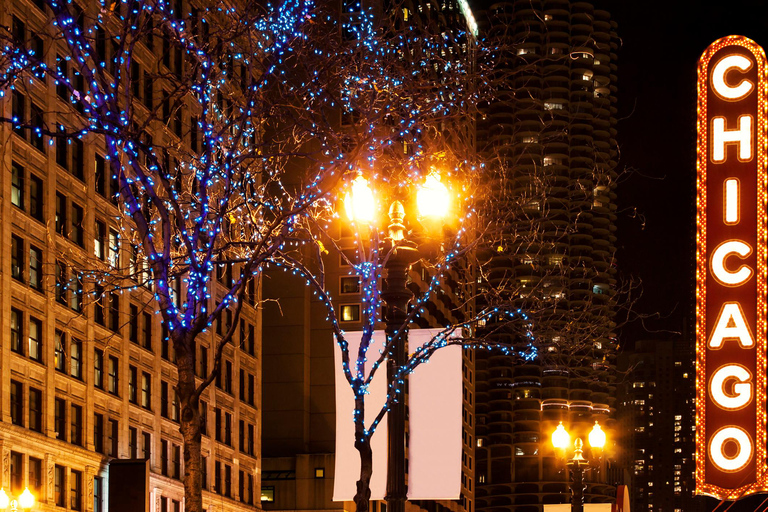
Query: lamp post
25, 501
432, 202
560, 440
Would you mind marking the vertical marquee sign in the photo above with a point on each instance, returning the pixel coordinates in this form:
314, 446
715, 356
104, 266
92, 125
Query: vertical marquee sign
731, 270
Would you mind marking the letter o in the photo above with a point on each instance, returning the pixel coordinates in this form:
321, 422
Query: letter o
742, 457
742, 390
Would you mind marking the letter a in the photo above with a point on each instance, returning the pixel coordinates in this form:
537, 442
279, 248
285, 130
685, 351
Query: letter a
730, 325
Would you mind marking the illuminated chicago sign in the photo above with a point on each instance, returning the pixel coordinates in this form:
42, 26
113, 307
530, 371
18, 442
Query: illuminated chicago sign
731, 270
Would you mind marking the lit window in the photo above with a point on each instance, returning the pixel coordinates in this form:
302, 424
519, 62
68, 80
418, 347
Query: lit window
552, 105
349, 284
350, 312
268, 493
320, 472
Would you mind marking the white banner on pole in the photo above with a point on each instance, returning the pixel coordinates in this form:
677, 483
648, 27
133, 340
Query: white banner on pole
435, 424
347, 471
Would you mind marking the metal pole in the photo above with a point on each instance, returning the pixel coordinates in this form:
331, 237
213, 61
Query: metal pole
396, 295
577, 486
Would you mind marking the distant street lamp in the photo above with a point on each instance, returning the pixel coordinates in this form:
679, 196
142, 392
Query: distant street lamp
433, 203
25, 502
561, 439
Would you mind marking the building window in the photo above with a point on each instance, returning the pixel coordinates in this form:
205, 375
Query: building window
59, 489
17, 403
99, 240
35, 268
114, 375
16, 331
133, 443
164, 457
147, 445
35, 344
133, 376
267, 493
164, 399
146, 390
36, 195
350, 312
113, 436
98, 433
17, 258
98, 494
98, 368
227, 480
60, 419
133, 331
319, 472
227, 429
76, 425
61, 214
60, 290
35, 410
76, 358
17, 473
147, 331
176, 461
349, 284
78, 232
17, 185
75, 490
35, 475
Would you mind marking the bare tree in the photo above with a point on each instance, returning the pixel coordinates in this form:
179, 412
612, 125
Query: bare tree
224, 128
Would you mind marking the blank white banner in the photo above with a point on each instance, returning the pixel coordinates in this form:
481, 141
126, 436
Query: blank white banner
435, 402
347, 471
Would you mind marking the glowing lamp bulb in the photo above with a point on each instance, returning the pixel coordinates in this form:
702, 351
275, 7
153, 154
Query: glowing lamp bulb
27, 499
359, 203
560, 437
432, 198
4, 499
597, 437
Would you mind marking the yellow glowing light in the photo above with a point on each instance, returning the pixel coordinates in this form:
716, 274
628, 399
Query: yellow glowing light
4, 499
719, 255
560, 437
742, 137
742, 457
597, 437
731, 201
27, 499
742, 390
727, 63
432, 198
359, 203
731, 325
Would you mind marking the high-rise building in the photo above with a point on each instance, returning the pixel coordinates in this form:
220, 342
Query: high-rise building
656, 414
87, 374
548, 138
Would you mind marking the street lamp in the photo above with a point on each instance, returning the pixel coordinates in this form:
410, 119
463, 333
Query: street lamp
560, 440
433, 203
26, 501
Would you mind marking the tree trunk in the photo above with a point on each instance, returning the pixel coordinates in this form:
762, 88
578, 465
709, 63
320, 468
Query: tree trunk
363, 495
190, 428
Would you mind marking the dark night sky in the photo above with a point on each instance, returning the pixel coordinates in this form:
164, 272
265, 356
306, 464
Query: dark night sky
661, 43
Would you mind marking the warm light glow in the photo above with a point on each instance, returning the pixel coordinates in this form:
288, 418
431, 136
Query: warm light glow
742, 390
4, 499
27, 499
727, 63
743, 455
731, 201
731, 325
560, 437
742, 137
359, 203
432, 198
597, 437
722, 274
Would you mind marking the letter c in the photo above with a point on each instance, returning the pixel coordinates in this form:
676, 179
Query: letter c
722, 274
